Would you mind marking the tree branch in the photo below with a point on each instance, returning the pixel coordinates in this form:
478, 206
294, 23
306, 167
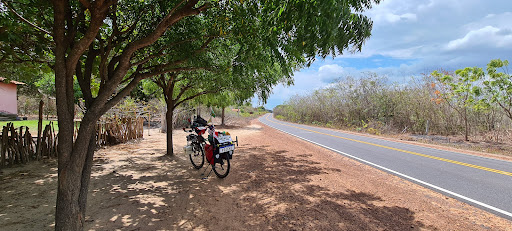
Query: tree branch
20, 60
179, 69
119, 96
72, 29
119, 71
170, 85
170, 19
97, 16
87, 77
194, 96
25, 20
135, 73
183, 90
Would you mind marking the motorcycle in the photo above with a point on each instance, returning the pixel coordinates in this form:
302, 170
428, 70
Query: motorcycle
218, 151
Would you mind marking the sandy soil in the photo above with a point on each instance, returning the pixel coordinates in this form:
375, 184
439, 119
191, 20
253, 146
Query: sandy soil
276, 182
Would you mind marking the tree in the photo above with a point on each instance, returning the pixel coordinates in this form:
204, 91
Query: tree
498, 86
463, 92
193, 70
222, 100
177, 89
118, 44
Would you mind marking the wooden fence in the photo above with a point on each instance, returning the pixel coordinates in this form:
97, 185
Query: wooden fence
18, 146
118, 130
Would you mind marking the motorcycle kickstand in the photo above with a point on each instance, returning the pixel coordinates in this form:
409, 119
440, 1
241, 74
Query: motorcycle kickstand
202, 174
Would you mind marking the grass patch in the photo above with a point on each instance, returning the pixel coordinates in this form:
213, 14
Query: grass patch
31, 124
280, 117
253, 115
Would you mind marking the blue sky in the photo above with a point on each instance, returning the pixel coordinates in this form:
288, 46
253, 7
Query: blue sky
414, 37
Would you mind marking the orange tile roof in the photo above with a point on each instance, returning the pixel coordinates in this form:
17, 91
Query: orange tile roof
12, 81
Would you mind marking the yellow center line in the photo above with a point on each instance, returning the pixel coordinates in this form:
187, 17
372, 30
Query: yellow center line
401, 150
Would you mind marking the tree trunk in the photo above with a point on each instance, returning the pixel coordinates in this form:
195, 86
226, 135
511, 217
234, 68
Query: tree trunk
68, 215
168, 118
222, 116
86, 174
73, 178
466, 135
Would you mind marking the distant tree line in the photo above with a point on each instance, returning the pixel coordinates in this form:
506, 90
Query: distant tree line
470, 102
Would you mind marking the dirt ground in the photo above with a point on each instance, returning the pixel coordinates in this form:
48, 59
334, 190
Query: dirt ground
276, 182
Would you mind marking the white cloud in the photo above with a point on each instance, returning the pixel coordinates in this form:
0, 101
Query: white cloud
408, 17
486, 37
403, 53
393, 18
328, 73
392, 11
501, 20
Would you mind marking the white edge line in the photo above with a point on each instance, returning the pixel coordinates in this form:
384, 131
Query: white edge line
404, 176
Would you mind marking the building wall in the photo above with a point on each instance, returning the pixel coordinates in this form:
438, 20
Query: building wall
8, 101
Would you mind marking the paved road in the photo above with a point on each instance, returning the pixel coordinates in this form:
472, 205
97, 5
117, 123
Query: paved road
480, 181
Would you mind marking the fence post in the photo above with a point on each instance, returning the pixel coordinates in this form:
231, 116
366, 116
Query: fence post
11, 149
3, 145
21, 149
39, 129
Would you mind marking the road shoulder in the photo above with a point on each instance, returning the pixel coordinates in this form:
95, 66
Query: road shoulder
433, 210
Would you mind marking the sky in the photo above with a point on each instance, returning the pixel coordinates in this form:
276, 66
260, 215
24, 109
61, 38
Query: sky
410, 38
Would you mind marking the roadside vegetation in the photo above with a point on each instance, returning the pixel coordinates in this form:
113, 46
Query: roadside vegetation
471, 104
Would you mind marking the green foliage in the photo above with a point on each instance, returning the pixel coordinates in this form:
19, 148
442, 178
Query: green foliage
464, 90
150, 89
463, 93
498, 86
25, 55
19, 42
280, 117
221, 99
28, 73
146, 90
128, 105
257, 44
46, 85
248, 111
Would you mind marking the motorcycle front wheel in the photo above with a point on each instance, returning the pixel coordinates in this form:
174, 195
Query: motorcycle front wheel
197, 156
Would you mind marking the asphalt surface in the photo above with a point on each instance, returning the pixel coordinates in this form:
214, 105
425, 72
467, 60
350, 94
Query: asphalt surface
480, 181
